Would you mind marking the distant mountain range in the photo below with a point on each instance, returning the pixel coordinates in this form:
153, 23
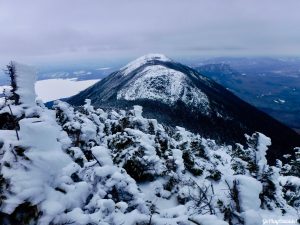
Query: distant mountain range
272, 85
176, 94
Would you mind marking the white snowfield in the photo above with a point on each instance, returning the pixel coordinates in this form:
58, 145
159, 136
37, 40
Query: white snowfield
53, 89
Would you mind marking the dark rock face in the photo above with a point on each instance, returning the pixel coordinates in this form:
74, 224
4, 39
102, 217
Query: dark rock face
196, 103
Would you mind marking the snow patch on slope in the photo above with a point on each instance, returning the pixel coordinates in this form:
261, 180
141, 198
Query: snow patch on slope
167, 85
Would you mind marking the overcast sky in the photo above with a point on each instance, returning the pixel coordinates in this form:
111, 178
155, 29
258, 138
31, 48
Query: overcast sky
65, 30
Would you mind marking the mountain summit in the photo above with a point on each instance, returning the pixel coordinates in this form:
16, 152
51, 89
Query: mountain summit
178, 95
155, 81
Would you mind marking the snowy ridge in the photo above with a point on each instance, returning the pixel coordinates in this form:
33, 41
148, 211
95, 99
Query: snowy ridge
157, 82
130, 67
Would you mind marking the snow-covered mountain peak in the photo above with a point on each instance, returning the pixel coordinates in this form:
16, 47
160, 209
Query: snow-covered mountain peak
133, 65
160, 83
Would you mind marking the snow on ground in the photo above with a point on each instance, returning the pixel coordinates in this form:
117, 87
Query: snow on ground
279, 101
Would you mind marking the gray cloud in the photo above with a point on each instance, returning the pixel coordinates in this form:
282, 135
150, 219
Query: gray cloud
53, 30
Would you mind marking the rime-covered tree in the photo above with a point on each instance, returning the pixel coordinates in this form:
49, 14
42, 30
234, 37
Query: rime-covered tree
11, 72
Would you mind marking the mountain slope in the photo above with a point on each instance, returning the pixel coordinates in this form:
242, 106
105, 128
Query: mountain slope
178, 95
223, 74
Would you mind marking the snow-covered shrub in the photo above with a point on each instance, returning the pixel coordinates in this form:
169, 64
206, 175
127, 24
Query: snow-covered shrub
189, 163
214, 175
251, 160
292, 168
291, 191
11, 71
